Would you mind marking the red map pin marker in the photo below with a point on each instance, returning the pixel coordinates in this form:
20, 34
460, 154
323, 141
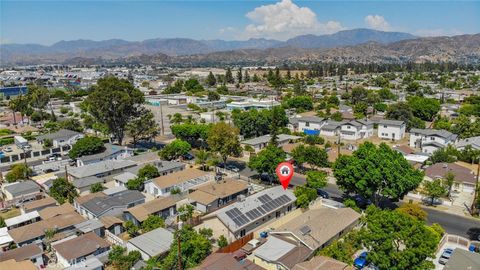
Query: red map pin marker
284, 172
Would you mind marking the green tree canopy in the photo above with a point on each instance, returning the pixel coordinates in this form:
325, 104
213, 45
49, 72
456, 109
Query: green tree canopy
311, 154
194, 249
143, 127
316, 179
376, 171
434, 189
254, 123
62, 190
115, 102
401, 111
86, 146
223, 139
18, 172
152, 222
175, 149
97, 187
148, 171
191, 132
211, 80
424, 108
301, 103
397, 241
304, 195
267, 160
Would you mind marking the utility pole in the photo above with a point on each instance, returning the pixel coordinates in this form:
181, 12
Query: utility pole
161, 116
25, 162
473, 208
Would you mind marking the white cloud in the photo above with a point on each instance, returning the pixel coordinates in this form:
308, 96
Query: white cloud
377, 22
227, 29
284, 20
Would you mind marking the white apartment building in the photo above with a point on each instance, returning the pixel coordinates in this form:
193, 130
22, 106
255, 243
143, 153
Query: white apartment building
356, 129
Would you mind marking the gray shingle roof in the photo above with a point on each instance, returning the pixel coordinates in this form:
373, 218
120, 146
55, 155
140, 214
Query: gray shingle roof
473, 141
87, 181
99, 205
22, 188
100, 167
390, 122
110, 149
311, 119
61, 134
437, 132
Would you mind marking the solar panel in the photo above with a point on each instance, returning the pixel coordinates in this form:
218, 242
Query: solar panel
243, 219
237, 222
264, 198
257, 213
250, 215
229, 214
260, 209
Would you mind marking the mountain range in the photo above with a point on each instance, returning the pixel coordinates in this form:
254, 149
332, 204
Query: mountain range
357, 45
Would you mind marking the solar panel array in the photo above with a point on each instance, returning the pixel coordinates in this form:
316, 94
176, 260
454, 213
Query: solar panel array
268, 204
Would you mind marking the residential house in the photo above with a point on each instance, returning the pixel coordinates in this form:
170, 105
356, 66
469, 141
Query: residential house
29, 252
53, 211
83, 185
122, 179
14, 265
253, 104
473, 142
78, 201
431, 140
64, 225
356, 129
292, 124
391, 129
61, 137
465, 179
103, 169
38, 205
5, 239
322, 263
113, 205
91, 225
78, 249
164, 167
92, 263
163, 206
112, 152
331, 128
311, 125
211, 196
112, 224
180, 180
222, 261
463, 260
22, 220
261, 142
301, 237
23, 191
240, 218
151, 244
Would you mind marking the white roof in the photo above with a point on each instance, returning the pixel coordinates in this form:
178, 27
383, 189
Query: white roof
4, 236
154, 242
22, 218
273, 249
114, 190
416, 158
124, 177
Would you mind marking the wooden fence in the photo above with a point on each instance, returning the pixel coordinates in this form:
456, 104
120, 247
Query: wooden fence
236, 245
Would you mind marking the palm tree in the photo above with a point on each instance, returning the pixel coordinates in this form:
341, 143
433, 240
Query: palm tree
202, 157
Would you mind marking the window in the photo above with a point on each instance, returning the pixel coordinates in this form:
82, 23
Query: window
385, 126
307, 124
348, 127
432, 138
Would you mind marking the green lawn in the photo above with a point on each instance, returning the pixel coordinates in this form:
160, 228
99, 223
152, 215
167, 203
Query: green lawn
10, 213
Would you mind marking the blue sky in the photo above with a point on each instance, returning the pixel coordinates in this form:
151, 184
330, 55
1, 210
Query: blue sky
47, 22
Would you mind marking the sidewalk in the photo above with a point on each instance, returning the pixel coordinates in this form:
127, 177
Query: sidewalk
452, 209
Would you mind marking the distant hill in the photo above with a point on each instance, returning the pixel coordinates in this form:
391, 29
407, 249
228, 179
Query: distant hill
346, 38
358, 45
